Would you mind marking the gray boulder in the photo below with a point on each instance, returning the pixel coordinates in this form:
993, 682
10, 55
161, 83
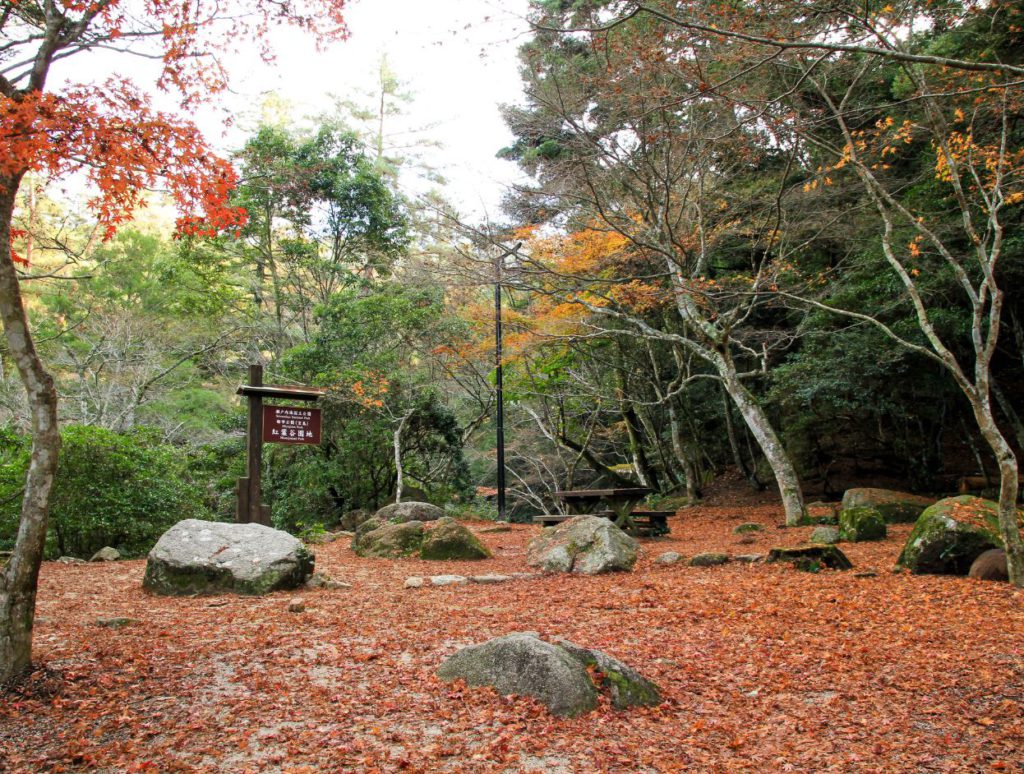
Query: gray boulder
862, 523
450, 540
556, 673
825, 534
390, 541
411, 511
208, 557
524, 665
584, 544
895, 507
950, 535
106, 554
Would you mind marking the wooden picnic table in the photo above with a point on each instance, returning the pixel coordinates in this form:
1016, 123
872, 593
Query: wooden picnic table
620, 501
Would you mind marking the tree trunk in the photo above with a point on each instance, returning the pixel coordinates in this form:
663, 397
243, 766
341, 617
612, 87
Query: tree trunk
737, 455
774, 452
689, 468
1009, 482
19, 578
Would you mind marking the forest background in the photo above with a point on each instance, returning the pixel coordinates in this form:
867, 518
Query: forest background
727, 250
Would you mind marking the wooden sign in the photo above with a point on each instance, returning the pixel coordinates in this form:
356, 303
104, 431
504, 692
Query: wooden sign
287, 424
261, 427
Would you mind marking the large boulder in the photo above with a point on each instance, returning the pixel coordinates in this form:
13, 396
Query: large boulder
390, 541
950, 535
411, 511
895, 507
556, 673
450, 540
584, 544
861, 523
208, 557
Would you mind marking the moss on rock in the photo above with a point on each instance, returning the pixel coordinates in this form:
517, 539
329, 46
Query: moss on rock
862, 523
895, 507
451, 540
950, 535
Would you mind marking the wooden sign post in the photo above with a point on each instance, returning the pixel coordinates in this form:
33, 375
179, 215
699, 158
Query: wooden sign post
275, 424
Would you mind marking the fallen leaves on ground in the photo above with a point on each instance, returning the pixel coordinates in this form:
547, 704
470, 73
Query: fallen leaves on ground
763, 668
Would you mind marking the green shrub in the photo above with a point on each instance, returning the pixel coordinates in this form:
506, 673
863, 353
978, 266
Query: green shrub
111, 489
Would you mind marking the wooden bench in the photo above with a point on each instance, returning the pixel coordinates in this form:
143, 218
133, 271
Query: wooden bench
551, 519
652, 523
647, 523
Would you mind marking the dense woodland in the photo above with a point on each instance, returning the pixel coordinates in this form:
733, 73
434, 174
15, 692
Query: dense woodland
704, 284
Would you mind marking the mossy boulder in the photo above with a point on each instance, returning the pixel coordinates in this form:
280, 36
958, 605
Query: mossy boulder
747, 528
392, 541
409, 511
208, 557
825, 534
862, 523
895, 507
365, 528
811, 558
950, 535
451, 540
709, 559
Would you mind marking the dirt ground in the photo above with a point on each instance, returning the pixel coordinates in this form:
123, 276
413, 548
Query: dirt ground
762, 667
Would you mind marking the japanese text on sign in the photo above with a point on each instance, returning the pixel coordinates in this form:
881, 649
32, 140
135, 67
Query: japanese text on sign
284, 424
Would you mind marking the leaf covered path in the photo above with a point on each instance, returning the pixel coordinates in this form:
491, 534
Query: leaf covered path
763, 668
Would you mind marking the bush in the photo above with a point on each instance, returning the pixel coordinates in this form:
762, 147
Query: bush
111, 489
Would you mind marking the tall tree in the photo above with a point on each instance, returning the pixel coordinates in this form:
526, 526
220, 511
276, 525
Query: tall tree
919, 106
110, 133
619, 145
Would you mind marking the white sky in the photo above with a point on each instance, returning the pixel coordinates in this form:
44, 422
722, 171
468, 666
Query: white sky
457, 57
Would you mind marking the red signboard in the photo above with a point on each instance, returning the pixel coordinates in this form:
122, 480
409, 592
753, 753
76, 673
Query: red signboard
285, 424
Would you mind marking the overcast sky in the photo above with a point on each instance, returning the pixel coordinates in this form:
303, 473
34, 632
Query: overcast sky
458, 57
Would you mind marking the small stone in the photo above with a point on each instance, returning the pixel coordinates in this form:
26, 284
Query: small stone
825, 535
749, 558
71, 560
750, 526
447, 580
490, 578
115, 623
669, 557
106, 554
320, 580
709, 559
296, 605
414, 582
336, 585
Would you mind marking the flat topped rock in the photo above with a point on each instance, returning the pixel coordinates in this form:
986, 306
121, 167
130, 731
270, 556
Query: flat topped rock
209, 557
558, 674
